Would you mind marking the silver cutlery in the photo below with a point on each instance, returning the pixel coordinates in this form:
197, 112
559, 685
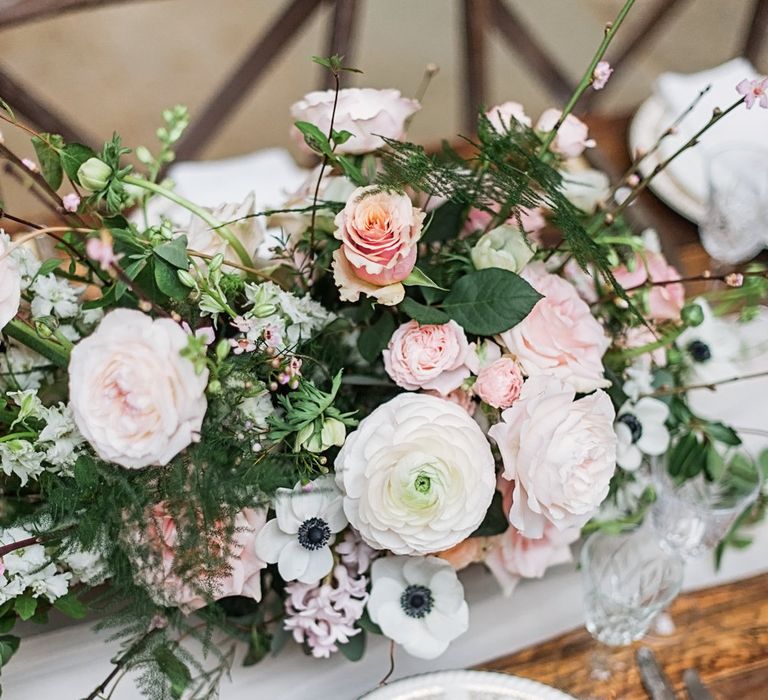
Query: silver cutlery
655, 681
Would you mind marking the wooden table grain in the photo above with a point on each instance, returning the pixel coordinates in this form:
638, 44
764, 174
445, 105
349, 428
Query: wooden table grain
721, 631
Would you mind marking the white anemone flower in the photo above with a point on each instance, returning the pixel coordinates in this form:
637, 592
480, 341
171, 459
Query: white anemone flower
641, 430
418, 602
299, 539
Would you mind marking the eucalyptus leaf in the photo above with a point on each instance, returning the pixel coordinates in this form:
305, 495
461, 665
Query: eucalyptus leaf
490, 301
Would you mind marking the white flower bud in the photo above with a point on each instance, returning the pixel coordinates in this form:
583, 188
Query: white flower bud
94, 174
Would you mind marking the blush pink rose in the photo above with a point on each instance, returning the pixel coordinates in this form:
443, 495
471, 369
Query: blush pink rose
531, 220
366, 113
504, 116
560, 454
379, 231
499, 383
559, 337
664, 301
572, 136
428, 357
511, 556
240, 575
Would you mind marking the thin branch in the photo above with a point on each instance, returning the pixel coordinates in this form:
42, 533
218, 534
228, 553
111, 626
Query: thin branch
389, 673
670, 390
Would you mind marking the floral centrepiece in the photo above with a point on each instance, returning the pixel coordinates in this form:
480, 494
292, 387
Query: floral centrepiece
304, 423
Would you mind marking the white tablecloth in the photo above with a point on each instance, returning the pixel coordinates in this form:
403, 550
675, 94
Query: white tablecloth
70, 662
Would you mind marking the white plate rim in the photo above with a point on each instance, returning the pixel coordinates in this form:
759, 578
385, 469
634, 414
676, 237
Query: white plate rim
646, 126
523, 688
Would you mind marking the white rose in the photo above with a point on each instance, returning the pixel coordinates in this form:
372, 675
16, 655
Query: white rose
505, 247
10, 286
204, 239
366, 113
417, 475
560, 453
133, 396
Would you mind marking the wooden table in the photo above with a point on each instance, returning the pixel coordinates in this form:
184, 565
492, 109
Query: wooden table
721, 631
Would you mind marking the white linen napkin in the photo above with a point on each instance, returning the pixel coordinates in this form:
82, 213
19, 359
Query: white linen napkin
742, 127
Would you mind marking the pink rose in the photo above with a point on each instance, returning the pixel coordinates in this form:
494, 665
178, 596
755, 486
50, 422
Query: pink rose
469, 551
531, 219
559, 336
572, 136
428, 357
511, 556
242, 569
366, 113
500, 383
664, 301
378, 231
560, 453
504, 116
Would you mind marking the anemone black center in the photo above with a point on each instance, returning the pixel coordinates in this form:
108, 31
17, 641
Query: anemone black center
634, 425
699, 351
416, 601
314, 533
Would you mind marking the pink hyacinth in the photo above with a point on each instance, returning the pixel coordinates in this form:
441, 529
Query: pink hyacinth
601, 74
754, 91
355, 554
324, 616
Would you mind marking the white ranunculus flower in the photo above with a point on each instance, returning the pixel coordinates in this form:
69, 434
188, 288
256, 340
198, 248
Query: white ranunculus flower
299, 539
417, 475
560, 453
505, 247
418, 602
641, 430
204, 239
134, 397
10, 285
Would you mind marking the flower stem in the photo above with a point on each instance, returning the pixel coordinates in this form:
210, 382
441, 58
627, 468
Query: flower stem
26, 335
17, 436
586, 80
221, 229
669, 390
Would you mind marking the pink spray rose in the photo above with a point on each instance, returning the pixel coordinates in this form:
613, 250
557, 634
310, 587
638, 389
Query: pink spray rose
531, 219
378, 231
560, 453
240, 575
664, 301
500, 383
366, 113
512, 556
559, 336
572, 136
428, 357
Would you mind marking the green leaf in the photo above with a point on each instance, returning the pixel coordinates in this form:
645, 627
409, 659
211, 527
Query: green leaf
174, 669
47, 149
168, 281
445, 223
351, 170
715, 464
7, 108
7, 623
367, 624
341, 137
315, 138
132, 271
71, 606
49, 266
259, 645
25, 606
421, 313
280, 638
355, 647
418, 278
9, 645
490, 301
495, 521
374, 339
722, 433
174, 252
73, 155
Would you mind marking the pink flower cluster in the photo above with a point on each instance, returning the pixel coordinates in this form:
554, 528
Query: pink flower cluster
324, 616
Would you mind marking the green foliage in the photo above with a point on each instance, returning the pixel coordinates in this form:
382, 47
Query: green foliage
418, 278
495, 521
423, 314
47, 148
73, 155
375, 337
490, 301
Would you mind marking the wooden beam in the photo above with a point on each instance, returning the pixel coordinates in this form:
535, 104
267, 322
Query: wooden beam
220, 107
521, 41
42, 116
476, 20
15, 12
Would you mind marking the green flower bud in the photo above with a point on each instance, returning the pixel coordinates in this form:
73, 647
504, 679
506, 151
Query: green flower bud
186, 279
222, 350
692, 314
214, 387
264, 310
143, 154
94, 175
46, 326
